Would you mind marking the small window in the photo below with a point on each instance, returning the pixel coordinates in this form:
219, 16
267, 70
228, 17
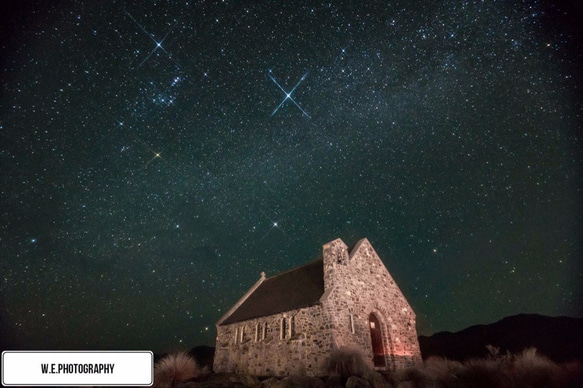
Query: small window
351, 322
292, 327
242, 332
264, 331
283, 328
236, 335
258, 332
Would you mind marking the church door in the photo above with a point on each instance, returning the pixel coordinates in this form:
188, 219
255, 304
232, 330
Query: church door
378, 350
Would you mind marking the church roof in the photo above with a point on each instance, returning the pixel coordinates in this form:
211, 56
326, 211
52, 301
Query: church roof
294, 289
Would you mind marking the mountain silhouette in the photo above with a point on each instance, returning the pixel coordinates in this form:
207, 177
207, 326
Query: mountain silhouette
558, 338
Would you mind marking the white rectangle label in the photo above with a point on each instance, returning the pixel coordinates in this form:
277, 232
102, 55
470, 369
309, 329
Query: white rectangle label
30, 368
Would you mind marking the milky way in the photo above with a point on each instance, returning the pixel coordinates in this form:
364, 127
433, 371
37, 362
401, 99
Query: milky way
156, 157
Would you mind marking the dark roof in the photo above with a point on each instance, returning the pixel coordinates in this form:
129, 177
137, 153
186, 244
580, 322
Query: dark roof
294, 289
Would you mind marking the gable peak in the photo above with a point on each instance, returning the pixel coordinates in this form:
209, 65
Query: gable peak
361, 244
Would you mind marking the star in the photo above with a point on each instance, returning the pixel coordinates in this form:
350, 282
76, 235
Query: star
275, 224
158, 44
157, 155
288, 96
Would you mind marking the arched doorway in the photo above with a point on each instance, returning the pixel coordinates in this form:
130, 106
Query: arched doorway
378, 350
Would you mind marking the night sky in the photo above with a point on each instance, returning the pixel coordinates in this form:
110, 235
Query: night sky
157, 156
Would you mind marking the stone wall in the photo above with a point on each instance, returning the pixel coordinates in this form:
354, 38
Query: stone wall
258, 347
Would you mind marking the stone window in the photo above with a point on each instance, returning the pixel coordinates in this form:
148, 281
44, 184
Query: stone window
283, 328
236, 335
264, 335
292, 326
258, 332
351, 323
242, 333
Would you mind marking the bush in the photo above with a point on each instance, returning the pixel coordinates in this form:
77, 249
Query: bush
175, 368
530, 369
527, 369
345, 362
483, 373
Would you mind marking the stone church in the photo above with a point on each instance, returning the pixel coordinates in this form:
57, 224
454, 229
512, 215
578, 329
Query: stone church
289, 323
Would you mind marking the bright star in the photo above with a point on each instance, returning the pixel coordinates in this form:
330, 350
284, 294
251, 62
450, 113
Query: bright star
288, 96
158, 44
157, 155
275, 224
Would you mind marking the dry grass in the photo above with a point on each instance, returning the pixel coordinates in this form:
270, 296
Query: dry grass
175, 368
527, 369
344, 362
531, 369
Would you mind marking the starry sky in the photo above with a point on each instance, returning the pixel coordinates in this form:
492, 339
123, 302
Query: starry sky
157, 156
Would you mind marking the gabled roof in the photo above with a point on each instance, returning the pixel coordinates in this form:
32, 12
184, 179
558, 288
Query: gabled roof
294, 289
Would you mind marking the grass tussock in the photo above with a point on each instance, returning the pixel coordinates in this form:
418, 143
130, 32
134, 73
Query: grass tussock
346, 362
347, 367
175, 368
527, 369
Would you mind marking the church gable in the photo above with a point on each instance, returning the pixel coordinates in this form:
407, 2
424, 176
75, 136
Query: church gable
364, 302
364, 256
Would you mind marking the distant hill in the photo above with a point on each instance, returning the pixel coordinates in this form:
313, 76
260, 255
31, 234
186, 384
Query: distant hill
558, 338
203, 355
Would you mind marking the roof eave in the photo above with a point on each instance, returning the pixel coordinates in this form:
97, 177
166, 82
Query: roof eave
241, 301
